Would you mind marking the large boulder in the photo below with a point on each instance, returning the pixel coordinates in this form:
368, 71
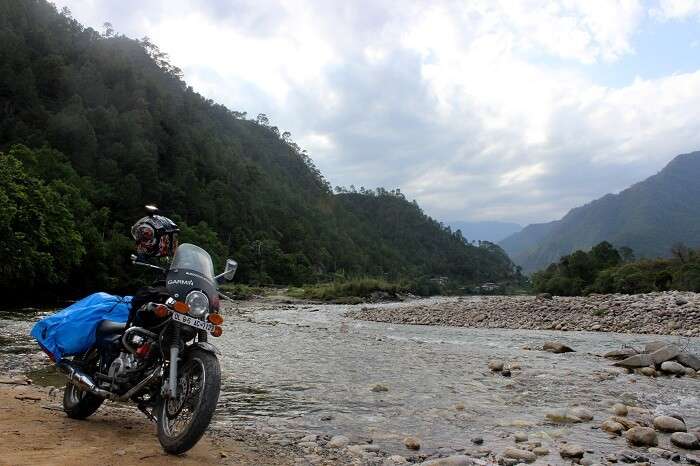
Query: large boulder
642, 437
654, 346
638, 360
689, 360
669, 424
556, 347
665, 354
622, 353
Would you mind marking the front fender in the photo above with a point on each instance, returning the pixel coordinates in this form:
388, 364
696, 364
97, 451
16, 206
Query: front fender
208, 347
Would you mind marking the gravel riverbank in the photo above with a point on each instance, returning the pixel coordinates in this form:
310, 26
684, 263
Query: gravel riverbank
669, 313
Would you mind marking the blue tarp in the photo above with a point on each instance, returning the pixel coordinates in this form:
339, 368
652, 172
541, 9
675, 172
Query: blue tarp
72, 330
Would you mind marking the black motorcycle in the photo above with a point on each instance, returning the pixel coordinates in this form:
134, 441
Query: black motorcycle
160, 359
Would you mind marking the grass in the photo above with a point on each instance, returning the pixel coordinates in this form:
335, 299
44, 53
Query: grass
241, 291
347, 291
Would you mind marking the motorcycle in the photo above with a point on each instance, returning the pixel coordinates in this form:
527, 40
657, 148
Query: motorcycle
164, 365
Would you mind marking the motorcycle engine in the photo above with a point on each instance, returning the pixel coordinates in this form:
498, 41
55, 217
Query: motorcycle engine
122, 363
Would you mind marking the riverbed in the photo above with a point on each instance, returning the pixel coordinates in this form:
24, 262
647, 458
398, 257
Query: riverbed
291, 370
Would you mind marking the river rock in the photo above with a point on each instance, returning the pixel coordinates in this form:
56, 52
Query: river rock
570, 450
556, 347
629, 456
561, 416
395, 460
456, 460
541, 451
378, 388
666, 454
641, 437
665, 354
496, 365
477, 440
673, 367
648, 371
622, 353
669, 424
412, 443
309, 438
612, 427
633, 362
338, 441
520, 437
521, 455
654, 346
685, 440
581, 413
619, 409
689, 360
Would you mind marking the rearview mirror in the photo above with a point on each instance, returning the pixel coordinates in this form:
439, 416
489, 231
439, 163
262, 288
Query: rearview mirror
229, 272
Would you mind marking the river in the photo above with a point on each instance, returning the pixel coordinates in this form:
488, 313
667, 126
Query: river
308, 368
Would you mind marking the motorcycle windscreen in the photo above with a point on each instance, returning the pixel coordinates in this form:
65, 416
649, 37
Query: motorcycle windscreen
71, 331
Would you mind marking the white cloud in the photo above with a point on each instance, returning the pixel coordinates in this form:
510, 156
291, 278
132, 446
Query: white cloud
486, 109
677, 9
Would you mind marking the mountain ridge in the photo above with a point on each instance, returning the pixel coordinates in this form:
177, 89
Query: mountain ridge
649, 217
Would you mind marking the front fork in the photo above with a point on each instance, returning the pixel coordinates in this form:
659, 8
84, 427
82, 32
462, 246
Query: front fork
174, 353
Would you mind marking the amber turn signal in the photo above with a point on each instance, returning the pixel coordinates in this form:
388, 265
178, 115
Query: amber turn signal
182, 307
160, 311
217, 331
216, 319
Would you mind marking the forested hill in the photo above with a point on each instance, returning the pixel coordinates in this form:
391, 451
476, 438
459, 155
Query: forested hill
94, 125
649, 217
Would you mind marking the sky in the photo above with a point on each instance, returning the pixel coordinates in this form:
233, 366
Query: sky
511, 110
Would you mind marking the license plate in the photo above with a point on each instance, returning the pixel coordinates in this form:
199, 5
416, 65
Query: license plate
192, 322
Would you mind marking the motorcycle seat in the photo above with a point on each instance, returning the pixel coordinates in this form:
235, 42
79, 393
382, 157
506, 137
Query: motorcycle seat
109, 327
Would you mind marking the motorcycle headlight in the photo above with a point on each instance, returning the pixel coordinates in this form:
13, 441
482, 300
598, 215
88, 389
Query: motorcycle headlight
198, 302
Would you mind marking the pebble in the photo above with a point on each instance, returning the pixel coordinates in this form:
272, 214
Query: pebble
377, 388
669, 424
477, 440
395, 460
581, 413
673, 367
517, 454
496, 365
339, 441
641, 437
556, 347
612, 427
685, 440
541, 451
521, 437
619, 409
570, 450
412, 443
648, 371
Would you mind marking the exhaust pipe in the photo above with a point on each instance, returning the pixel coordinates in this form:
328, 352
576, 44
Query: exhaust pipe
83, 381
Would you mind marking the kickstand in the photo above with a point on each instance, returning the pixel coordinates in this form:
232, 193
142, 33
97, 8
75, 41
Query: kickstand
148, 414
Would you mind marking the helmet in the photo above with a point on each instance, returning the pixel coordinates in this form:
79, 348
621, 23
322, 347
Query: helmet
155, 235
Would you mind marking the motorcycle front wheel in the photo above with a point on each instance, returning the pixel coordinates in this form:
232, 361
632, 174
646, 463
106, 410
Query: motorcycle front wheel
183, 420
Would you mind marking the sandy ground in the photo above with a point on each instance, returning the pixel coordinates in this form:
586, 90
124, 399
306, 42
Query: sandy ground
35, 431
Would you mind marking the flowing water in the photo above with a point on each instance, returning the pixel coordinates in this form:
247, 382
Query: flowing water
302, 368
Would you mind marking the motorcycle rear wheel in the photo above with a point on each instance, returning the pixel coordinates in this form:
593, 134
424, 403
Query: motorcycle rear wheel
183, 421
77, 403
